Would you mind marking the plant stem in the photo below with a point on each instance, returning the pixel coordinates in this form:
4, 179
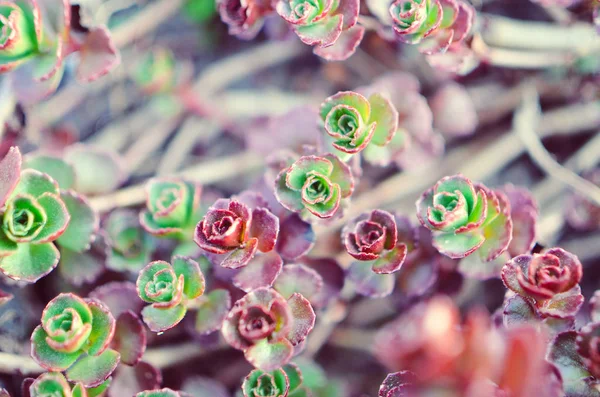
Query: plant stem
203, 173
160, 357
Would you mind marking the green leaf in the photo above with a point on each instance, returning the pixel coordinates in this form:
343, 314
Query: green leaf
147, 275
158, 393
103, 327
159, 319
99, 390
47, 357
294, 376
194, 283
30, 262
50, 384
386, 117
268, 356
35, 183
97, 170
57, 218
7, 246
62, 172
79, 391
457, 246
84, 222
92, 371
67, 301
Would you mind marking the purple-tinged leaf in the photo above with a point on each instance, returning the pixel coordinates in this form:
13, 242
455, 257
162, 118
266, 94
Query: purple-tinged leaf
212, 311
303, 317
518, 310
576, 378
595, 307
98, 55
264, 227
241, 256
368, 283
268, 356
333, 277
298, 279
390, 261
130, 338
296, 237
395, 384
119, 296
563, 305
261, 271
344, 47
131, 380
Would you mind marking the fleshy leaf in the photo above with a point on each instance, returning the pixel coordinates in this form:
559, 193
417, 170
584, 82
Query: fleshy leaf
457, 246
344, 47
194, 283
100, 390
98, 171
563, 305
323, 33
30, 262
241, 256
166, 392
130, 338
368, 283
83, 225
386, 117
296, 237
129, 381
98, 55
268, 356
265, 227
261, 271
58, 218
46, 356
303, 318
79, 268
119, 297
518, 310
300, 279
162, 319
35, 183
92, 371
10, 171
103, 327
212, 311
391, 261
56, 168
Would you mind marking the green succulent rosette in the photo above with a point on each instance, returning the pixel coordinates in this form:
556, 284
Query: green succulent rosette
282, 382
465, 218
352, 122
129, 246
33, 215
172, 208
159, 73
54, 384
415, 19
74, 337
314, 185
169, 288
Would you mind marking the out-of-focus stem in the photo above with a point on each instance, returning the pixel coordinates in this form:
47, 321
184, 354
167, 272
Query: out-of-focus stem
204, 173
353, 338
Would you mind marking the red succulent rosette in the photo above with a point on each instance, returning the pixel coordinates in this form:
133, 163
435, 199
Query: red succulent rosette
231, 227
550, 279
266, 327
375, 237
245, 18
588, 346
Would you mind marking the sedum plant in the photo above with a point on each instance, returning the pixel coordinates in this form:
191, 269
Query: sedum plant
353, 123
51, 384
266, 327
238, 230
465, 218
282, 382
129, 246
314, 185
172, 207
245, 18
36, 38
169, 288
74, 337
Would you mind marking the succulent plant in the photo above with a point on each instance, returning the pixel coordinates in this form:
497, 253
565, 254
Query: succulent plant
352, 122
433, 24
379, 237
245, 18
34, 48
234, 228
327, 24
33, 216
315, 185
549, 279
282, 382
266, 327
466, 218
168, 288
129, 246
166, 392
55, 384
172, 207
74, 337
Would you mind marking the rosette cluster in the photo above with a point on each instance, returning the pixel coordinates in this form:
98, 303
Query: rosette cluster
353, 123
234, 228
266, 327
314, 185
128, 245
465, 218
245, 18
282, 382
74, 337
169, 288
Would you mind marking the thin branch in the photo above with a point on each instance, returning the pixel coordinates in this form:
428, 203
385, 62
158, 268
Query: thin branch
525, 123
204, 173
